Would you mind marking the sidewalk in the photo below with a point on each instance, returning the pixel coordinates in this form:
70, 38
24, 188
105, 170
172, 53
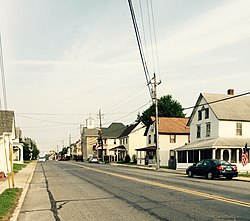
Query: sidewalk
22, 180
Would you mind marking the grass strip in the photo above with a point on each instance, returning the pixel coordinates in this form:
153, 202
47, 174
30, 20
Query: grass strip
8, 201
17, 167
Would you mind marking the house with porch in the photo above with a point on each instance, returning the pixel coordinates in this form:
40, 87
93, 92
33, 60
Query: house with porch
131, 139
18, 147
219, 129
173, 133
7, 135
110, 139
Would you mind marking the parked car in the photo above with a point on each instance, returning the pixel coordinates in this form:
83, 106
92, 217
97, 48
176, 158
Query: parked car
93, 160
41, 159
211, 168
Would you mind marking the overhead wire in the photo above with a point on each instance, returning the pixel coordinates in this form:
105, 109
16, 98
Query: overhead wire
3, 76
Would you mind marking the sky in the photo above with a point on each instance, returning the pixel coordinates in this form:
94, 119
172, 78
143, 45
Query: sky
66, 60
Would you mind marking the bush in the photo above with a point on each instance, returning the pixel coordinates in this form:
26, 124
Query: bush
134, 158
127, 159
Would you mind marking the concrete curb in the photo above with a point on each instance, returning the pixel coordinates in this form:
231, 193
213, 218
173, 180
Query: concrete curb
23, 195
239, 178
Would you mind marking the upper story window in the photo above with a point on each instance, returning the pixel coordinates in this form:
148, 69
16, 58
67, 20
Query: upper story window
114, 141
206, 113
149, 139
126, 140
172, 138
239, 129
199, 115
208, 129
198, 135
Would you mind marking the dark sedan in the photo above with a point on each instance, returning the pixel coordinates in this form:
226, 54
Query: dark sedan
213, 168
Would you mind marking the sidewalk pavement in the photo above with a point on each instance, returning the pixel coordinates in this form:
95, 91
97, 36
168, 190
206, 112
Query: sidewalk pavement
239, 178
22, 179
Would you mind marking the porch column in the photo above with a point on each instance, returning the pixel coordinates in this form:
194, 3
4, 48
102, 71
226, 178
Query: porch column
213, 153
199, 155
237, 155
230, 154
187, 157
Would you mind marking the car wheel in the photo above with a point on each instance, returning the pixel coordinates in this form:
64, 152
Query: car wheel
190, 173
210, 176
229, 177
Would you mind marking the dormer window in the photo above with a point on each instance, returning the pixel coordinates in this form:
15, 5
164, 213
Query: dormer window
239, 129
199, 115
206, 113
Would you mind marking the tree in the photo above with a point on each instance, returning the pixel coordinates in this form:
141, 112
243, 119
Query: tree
167, 107
30, 150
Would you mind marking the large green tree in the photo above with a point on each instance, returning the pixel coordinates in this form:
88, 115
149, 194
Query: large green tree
30, 149
167, 107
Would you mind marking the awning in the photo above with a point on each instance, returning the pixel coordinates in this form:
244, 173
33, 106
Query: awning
146, 148
121, 147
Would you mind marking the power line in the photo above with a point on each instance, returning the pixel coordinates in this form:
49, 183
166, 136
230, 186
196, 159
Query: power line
3, 77
216, 101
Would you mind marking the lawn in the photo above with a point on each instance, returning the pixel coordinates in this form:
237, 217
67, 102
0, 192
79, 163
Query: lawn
244, 174
8, 202
17, 167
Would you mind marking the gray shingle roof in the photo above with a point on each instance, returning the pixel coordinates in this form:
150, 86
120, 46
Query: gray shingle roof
215, 143
6, 121
113, 131
237, 108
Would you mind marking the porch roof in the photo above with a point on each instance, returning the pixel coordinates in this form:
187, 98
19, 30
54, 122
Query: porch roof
215, 143
121, 147
146, 148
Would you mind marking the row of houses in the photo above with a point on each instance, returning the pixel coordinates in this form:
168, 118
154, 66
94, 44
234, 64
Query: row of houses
219, 127
11, 149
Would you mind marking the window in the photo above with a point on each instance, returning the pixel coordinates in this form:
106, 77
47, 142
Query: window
182, 156
172, 138
206, 113
199, 115
239, 129
208, 129
191, 156
198, 131
217, 154
126, 139
114, 141
149, 139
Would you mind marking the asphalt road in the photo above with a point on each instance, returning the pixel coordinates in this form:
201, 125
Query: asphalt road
83, 191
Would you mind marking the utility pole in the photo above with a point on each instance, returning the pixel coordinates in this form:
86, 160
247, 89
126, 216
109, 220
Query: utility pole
100, 134
156, 124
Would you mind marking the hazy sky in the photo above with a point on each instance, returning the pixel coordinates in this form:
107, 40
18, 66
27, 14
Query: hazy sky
64, 60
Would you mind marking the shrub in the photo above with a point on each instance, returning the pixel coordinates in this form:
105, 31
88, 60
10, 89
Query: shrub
127, 159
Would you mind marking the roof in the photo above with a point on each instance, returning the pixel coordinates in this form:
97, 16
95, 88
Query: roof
113, 131
146, 148
90, 132
128, 130
215, 143
121, 147
173, 125
232, 108
6, 121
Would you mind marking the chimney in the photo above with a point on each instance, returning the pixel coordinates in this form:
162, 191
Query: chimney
230, 92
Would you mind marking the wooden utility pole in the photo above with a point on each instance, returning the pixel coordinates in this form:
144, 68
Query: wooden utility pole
156, 124
100, 134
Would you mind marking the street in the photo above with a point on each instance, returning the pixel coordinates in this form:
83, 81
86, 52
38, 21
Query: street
83, 191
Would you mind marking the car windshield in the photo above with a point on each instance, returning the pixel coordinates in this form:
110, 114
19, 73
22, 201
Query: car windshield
222, 162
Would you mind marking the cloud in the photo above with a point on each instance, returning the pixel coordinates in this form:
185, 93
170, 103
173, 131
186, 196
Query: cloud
225, 25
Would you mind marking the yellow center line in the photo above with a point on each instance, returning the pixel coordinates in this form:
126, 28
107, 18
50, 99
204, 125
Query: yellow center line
206, 195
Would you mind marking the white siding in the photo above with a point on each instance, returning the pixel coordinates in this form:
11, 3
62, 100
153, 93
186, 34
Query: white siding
212, 119
228, 129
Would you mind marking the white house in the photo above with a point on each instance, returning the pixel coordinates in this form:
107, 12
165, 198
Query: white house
18, 147
131, 139
7, 135
219, 129
173, 133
